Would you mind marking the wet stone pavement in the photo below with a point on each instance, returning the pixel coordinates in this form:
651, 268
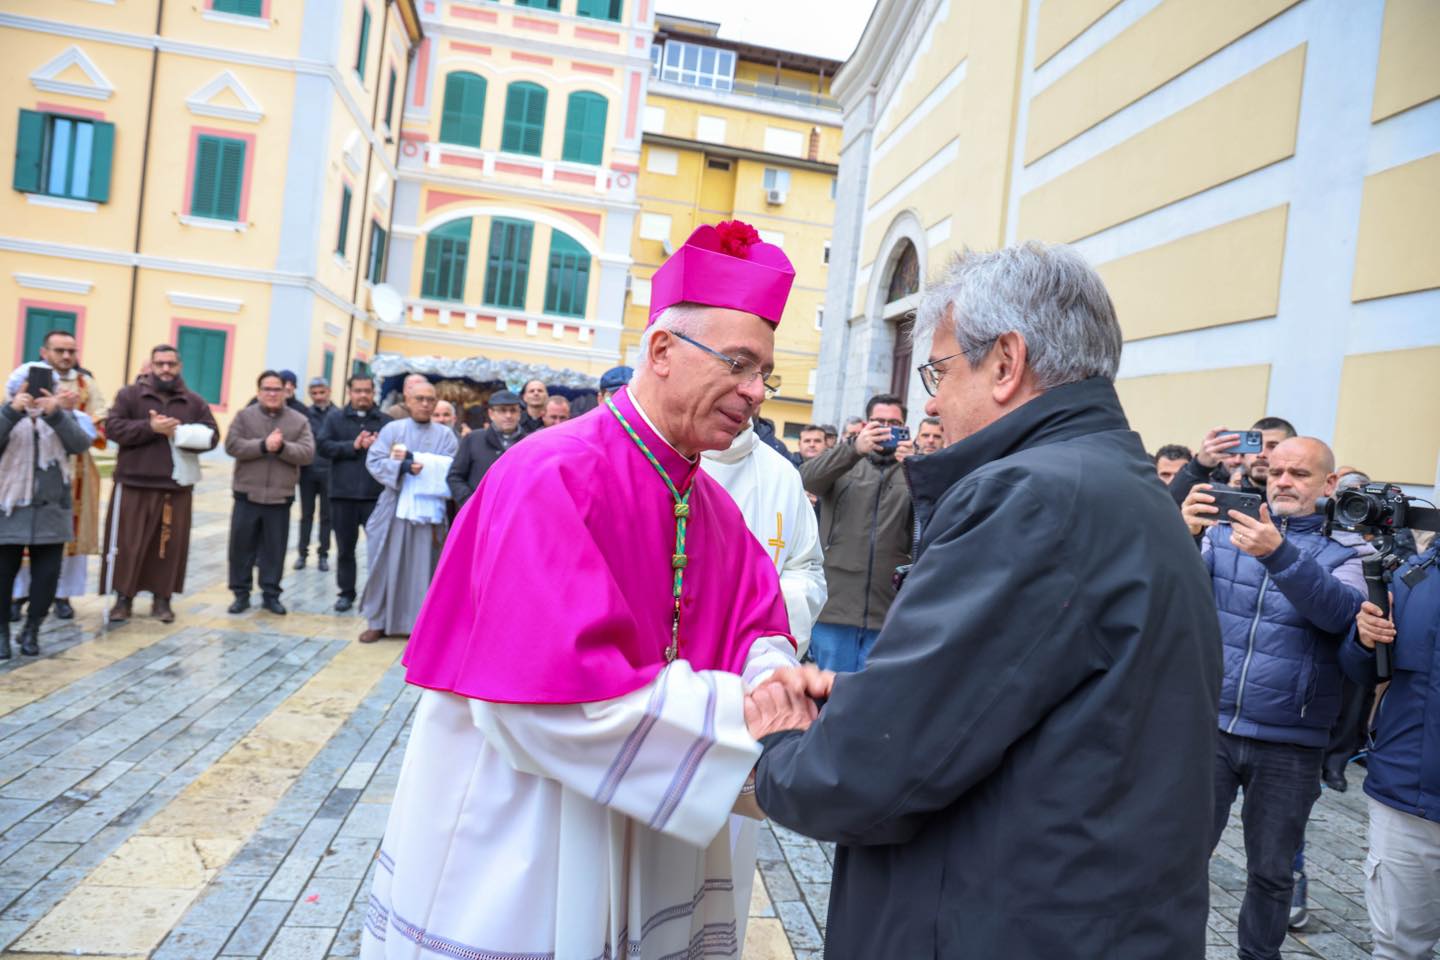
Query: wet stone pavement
218, 787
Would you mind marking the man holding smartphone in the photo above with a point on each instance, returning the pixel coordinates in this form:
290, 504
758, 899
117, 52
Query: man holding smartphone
1218, 462
866, 530
1286, 593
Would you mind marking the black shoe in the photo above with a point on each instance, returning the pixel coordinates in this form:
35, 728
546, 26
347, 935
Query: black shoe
274, 605
322, 564
300, 562
17, 610
1335, 780
63, 610
240, 605
29, 641
343, 604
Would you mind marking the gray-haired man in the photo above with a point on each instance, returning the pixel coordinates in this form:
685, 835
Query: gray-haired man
1042, 697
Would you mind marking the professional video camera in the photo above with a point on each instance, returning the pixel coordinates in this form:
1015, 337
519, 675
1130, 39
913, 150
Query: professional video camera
1379, 510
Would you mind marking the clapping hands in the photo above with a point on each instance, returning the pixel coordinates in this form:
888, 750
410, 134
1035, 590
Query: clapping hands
786, 701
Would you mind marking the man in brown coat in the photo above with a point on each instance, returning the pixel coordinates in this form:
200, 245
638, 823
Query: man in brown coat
147, 531
270, 443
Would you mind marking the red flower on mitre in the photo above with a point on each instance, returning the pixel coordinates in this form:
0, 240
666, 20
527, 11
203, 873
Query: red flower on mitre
736, 238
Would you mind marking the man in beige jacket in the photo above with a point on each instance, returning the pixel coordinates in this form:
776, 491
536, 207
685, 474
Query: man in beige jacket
270, 443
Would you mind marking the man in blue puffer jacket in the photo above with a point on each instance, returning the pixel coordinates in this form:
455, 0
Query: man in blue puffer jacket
1402, 871
1287, 594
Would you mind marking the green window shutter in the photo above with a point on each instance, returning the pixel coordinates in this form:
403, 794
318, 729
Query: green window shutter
40, 321
524, 119
390, 99
447, 254
359, 368
328, 370
600, 9
507, 268
101, 155
30, 152
202, 352
219, 178
207, 172
364, 42
464, 109
539, 4
376, 271
567, 284
247, 8
340, 243
585, 128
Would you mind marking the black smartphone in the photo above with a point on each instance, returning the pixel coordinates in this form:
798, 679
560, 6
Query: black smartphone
1251, 441
897, 434
39, 378
1227, 500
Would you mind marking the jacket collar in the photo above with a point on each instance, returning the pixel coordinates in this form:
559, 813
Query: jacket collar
493, 438
1068, 411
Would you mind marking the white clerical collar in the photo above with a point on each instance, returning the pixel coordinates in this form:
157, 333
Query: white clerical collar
656, 430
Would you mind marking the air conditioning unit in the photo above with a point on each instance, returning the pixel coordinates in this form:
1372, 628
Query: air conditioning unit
775, 197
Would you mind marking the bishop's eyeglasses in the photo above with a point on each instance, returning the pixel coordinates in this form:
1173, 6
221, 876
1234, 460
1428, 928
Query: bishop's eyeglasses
741, 369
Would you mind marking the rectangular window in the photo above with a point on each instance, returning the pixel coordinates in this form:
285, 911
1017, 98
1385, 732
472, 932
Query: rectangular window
507, 269
834, 185
825, 256
600, 9
202, 351
364, 43
219, 177
657, 51
697, 66
584, 128
655, 226
376, 269
344, 234
777, 180
659, 160
524, 130
40, 321
447, 255
359, 368
539, 4
653, 120
64, 156
327, 370
819, 318
390, 100
567, 285
711, 129
715, 163
790, 143
244, 8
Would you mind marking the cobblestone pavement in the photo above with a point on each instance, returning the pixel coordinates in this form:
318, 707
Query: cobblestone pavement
219, 787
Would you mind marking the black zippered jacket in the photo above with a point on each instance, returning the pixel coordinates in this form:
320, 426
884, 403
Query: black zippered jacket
349, 480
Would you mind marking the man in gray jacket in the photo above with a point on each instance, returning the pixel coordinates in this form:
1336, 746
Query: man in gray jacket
270, 443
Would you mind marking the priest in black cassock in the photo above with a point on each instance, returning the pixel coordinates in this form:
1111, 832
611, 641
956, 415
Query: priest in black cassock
1023, 769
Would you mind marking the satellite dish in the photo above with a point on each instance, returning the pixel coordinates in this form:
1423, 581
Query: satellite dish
387, 303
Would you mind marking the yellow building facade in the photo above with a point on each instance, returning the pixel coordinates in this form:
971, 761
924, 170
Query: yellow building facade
520, 151
217, 175
736, 131
1257, 181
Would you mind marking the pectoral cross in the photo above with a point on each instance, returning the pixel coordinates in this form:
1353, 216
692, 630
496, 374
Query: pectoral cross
778, 543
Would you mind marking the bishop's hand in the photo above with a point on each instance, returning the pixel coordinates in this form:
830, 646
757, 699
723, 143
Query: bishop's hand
774, 707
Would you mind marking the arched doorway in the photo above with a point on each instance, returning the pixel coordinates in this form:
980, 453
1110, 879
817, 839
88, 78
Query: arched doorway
903, 284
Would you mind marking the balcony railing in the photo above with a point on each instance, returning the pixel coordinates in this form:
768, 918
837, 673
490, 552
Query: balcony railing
764, 91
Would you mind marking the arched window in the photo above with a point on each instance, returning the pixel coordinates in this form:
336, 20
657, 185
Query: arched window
447, 253
464, 109
585, 127
905, 275
567, 284
524, 119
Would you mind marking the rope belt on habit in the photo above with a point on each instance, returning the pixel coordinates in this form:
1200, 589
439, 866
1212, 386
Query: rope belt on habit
682, 516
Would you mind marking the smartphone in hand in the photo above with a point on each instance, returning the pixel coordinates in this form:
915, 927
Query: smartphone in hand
1251, 441
39, 380
1240, 500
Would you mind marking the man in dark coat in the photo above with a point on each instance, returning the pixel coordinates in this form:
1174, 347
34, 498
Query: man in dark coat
315, 481
345, 438
481, 448
1022, 769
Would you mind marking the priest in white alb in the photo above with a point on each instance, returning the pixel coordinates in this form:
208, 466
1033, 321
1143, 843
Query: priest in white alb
603, 645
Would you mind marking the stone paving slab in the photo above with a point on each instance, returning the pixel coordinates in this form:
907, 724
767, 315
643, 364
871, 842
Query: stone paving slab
103, 735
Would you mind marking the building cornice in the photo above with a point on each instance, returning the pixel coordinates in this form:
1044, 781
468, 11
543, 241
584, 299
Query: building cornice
740, 153
630, 61
547, 197
883, 35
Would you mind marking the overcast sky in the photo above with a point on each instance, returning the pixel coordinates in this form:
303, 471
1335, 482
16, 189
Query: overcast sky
827, 28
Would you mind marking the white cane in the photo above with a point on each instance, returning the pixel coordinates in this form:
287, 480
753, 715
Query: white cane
109, 583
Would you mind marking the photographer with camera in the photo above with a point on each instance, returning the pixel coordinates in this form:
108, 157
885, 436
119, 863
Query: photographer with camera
1286, 593
1218, 462
866, 531
1402, 870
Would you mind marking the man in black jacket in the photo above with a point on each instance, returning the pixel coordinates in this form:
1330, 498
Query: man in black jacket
345, 439
1022, 769
483, 447
315, 481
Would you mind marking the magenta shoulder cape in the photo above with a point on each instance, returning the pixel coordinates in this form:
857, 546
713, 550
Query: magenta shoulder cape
555, 583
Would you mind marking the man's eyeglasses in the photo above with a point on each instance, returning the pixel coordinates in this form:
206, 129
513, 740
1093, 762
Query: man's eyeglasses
931, 375
743, 370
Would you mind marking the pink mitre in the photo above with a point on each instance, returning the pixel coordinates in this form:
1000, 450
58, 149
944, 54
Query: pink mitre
726, 265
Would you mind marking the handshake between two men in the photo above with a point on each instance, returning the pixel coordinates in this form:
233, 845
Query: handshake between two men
787, 700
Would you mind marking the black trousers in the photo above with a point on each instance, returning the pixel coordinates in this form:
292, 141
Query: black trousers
258, 532
45, 561
314, 487
349, 516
